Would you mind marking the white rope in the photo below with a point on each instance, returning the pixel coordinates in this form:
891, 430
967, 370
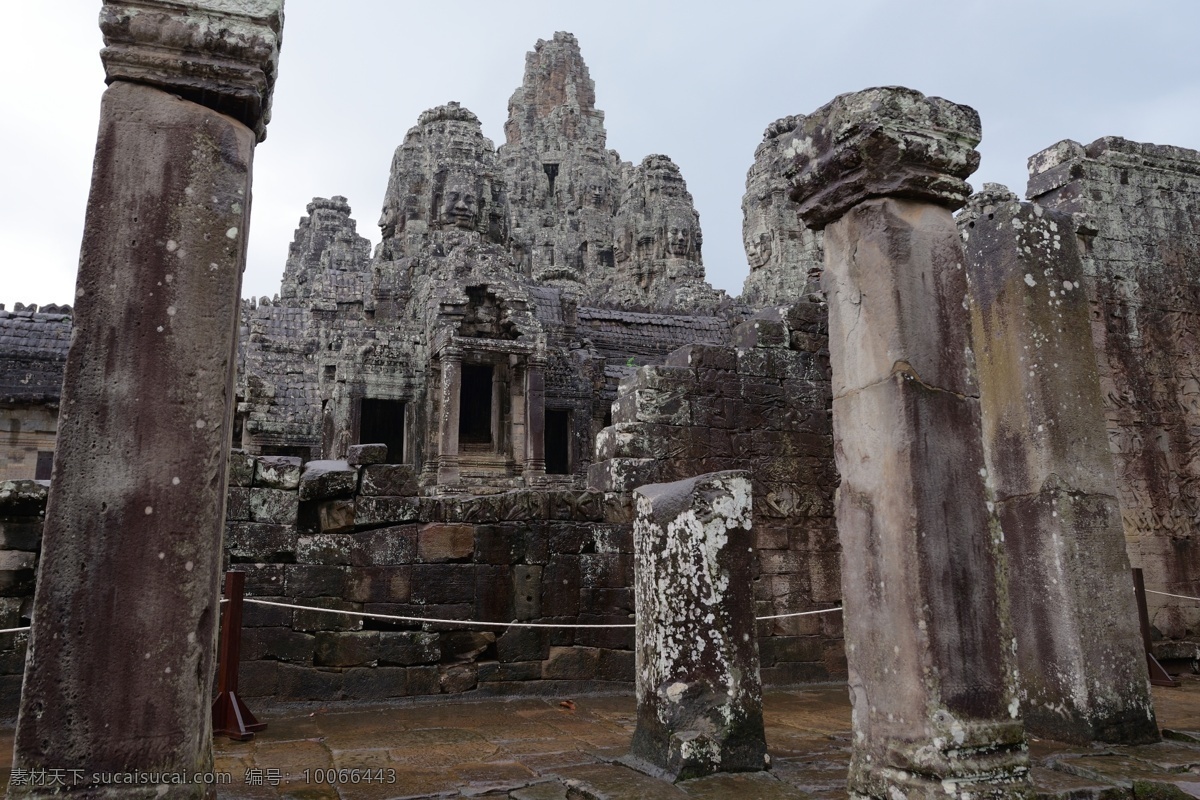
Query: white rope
800, 613
1168, 594
438, 621
490, 624
15, 630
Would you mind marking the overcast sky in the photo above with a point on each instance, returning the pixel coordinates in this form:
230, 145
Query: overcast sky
698, 81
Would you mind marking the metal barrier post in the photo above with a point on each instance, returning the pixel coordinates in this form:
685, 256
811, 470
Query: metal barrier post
1158, 675
230, 717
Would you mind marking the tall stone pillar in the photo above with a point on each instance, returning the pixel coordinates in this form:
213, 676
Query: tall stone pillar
451, 402
119, 672
535, 415
1079, 649
699, 691
927, 643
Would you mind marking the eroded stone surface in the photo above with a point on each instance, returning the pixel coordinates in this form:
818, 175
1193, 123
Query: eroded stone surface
1134, 208
785, 256
886, 141
1079, 651
698, 686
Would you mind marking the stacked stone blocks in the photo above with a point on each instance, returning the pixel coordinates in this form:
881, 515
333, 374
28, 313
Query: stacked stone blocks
760, 406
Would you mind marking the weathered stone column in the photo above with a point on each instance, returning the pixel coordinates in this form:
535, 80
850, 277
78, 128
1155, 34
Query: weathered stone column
535, 415
927, 644
1079, 649
450, 405
120, 665
698, 687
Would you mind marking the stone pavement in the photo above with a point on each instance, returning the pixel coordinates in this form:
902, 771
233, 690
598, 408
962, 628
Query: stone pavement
544, 749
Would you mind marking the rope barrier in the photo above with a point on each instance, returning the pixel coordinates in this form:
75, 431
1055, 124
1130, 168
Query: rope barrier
14, 630
800, 613
1168, 594
399, 618
439, 621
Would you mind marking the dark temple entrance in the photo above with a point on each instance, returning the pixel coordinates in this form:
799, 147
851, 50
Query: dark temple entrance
558, 439
475, 405
383, 421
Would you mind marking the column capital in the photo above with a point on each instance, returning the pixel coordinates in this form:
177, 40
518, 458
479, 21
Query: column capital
881, 142
222, 54
451, 354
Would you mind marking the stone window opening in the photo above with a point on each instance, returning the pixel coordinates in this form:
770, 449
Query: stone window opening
551, 171
475, 405
45, 463
558, 441
382, 422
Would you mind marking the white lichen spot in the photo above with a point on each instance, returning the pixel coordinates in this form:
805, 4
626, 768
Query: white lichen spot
189, 566
149, 510
200, 423
172, 245
1014, 708
231, 233
160, 328
1029, 281
191, 637
161, 556
167, 670
175, 481
675, 691
170, 311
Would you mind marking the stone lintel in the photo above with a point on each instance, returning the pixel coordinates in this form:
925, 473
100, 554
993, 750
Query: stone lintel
880, 142
222, 54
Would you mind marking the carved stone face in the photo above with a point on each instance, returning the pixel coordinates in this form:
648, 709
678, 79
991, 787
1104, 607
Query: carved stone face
388, 219
758, 247
623, 245
460, 205
679, 238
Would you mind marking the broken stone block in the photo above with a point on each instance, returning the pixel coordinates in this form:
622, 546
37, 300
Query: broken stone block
370, 511
335, 516
457, 678
274, 506
260, 542
571, 664
277, 472
17, 572
465, 645
22, 534
407, 648
445, 542
1079, 649
346, 648
362, 454
237, 506
22, 498
388, 479
698, 686
325, 479
379, 584
241, 469
760, 333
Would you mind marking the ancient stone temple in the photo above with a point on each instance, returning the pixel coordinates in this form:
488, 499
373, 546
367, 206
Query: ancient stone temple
484, 338
527, 405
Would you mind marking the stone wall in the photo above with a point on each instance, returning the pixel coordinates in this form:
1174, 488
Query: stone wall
33, 350
760, 405
359, 539
1135, 210
22, 511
